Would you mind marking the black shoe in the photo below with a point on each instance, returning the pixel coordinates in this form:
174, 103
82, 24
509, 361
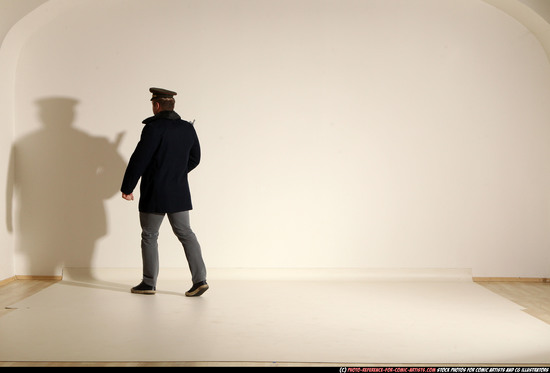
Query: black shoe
197, 290
143, 288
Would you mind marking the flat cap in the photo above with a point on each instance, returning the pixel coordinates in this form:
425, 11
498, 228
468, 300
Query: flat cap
161, 93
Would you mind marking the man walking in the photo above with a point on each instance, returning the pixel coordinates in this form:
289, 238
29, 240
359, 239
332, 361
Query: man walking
167, 151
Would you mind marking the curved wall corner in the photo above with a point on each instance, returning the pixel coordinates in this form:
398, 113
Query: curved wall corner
20, 19
533, 14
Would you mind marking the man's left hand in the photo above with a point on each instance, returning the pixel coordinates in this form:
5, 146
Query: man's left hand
128, 197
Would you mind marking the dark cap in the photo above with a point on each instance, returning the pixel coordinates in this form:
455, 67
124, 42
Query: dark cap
161, 93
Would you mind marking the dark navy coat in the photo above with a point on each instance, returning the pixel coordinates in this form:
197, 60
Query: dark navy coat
168, 149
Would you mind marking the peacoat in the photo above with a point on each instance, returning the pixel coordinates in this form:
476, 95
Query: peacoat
166, 152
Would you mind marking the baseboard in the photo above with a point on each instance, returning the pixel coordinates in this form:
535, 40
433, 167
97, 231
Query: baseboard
29, 277
511, 279
7, 280
475, 279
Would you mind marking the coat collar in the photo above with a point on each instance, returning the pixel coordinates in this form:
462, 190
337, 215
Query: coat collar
163, 115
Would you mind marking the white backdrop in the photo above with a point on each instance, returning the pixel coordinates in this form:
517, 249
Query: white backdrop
335, 133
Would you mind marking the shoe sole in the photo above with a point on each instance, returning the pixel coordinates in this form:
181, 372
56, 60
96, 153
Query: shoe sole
148, 292
197, 292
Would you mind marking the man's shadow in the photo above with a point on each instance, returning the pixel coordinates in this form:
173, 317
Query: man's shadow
61, 179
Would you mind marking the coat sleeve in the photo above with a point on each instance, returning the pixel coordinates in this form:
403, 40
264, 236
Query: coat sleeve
194, 154
140, 159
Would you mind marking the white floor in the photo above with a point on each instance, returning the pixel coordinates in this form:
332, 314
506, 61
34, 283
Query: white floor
315, 316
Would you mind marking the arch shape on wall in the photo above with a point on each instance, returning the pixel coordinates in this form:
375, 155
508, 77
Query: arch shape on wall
529, 16
387, 93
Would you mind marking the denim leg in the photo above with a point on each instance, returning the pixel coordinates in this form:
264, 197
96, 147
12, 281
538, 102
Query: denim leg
182, 229
150, 225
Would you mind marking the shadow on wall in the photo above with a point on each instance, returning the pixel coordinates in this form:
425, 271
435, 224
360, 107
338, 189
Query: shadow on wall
62, 178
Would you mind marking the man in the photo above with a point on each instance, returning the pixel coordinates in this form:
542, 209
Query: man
167, 151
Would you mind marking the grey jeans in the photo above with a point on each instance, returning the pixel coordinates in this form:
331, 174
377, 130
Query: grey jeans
150, 225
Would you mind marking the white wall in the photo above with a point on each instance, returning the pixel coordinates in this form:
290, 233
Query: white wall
355, 133
10, 13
